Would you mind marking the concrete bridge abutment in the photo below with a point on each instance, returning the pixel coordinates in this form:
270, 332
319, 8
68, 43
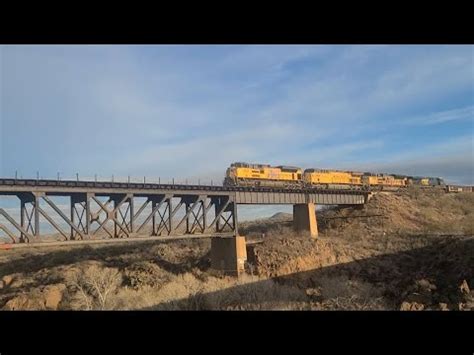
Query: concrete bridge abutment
304, 219
228, 254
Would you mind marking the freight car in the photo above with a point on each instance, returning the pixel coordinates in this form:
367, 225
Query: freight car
459, 188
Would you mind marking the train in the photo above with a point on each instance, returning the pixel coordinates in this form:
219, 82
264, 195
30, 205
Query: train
291, 177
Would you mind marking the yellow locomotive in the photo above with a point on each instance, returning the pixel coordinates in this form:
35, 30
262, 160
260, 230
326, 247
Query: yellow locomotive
243, 174
383, 181
332, 178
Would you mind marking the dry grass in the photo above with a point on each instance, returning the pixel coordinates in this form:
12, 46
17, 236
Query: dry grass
188, 292
339, 292
249, 292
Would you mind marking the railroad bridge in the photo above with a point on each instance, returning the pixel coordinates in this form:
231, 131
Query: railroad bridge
114, 211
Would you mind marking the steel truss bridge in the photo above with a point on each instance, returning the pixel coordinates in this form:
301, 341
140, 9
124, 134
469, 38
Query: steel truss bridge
165, 211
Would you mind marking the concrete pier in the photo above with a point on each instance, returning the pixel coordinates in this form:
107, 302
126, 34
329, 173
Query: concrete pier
228, 254
304, 219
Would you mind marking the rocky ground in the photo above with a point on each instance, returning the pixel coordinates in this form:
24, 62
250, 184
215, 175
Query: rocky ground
407, 251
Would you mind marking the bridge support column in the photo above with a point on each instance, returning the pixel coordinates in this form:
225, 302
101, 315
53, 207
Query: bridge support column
29, 216
304, 219
228, 254
23, 214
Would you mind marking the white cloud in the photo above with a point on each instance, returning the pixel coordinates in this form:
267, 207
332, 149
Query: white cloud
443, 116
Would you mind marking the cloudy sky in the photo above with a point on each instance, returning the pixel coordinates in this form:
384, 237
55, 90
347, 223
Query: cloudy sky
189, 111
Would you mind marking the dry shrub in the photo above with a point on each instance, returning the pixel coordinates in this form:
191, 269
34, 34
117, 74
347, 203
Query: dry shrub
341, 293
181, 251
280, 230
145, 273
464, 198
127, 298
179, 287
468, 224
147, 297
352, 303
93, 287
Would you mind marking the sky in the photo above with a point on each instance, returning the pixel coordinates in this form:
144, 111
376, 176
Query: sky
187, 112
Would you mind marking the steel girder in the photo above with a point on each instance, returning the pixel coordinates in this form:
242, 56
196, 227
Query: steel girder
167, 214
168, 210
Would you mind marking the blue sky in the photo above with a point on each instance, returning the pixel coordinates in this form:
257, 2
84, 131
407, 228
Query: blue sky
189, 111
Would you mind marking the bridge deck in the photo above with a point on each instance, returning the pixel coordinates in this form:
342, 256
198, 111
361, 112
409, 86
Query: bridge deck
241, 195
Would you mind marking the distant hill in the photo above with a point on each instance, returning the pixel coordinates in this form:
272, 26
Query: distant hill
281, 216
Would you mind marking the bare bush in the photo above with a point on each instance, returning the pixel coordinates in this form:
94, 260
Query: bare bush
94, 285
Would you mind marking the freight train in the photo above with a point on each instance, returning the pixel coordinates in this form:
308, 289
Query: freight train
290, 177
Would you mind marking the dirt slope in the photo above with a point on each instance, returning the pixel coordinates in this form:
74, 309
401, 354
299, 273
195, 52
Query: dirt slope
407, 238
